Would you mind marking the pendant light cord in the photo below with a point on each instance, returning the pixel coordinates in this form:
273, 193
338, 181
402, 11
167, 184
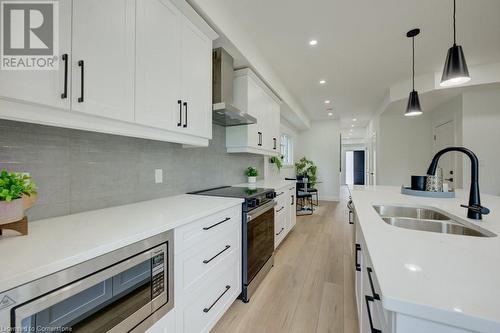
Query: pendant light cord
454, 22
413, 61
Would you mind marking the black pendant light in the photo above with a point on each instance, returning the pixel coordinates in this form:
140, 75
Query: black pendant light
455, 68
413, 108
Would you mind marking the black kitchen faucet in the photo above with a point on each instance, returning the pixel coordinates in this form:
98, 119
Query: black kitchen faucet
474, 209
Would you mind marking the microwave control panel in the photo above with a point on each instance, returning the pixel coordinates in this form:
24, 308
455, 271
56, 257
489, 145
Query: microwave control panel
158, 274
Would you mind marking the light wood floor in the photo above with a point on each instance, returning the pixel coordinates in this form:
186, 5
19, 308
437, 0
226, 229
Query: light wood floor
311, 286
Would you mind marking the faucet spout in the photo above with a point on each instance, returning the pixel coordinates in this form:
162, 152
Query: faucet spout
475, 210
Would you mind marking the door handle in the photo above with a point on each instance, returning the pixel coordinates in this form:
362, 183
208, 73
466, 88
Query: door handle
81, 64
375, 295
65, 92
356, 264
368, 300
216, 224
185, 115
180, 113
260, 138
218, 298
218, 254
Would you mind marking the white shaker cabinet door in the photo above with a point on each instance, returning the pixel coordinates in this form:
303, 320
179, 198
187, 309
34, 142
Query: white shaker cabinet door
196, 80
44, 87
158, 64
104, 58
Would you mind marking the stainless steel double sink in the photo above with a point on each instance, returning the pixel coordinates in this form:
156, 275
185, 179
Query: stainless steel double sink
427, 219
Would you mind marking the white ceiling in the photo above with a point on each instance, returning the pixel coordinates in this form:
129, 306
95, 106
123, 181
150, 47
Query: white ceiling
362, 48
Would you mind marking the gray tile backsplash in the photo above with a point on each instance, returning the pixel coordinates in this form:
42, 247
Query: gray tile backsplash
77, 171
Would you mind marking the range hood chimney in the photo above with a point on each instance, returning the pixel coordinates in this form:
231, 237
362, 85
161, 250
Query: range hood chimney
224, 112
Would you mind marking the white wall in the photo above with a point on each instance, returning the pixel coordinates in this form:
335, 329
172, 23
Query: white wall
321, 144
481, 134
404, 147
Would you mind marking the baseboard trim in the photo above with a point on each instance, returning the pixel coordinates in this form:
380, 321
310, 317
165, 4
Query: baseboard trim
329, 198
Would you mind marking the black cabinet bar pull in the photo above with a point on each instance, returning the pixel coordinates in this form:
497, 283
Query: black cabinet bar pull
185, 115
260, 138
216, 224
279, 194
357, 265
280, 231
293, 200
368, 300
274, 143
81, 64
64, 57
375, 295
218, 254
279, 210
180, 113
218, 298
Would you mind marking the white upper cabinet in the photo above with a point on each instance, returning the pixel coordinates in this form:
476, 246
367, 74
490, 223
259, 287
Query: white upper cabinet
44, 87
103, 58
196, 80
251, 95
158, 64
138, 68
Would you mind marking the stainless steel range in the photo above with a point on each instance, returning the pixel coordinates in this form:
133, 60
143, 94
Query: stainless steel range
257, 232
126, 290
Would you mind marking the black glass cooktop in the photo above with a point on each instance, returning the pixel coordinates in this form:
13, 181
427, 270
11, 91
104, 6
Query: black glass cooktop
234, 192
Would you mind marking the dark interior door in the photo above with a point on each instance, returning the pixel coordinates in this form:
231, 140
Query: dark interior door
359, 167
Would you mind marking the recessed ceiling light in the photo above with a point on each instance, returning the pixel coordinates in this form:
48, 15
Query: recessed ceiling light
352, 125
313, 42
354, 119
330, 114
327, 101
322, 81
413, 268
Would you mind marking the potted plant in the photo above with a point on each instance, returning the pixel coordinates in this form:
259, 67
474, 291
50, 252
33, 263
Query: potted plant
252, 174
278, 161
307, 169
16, 189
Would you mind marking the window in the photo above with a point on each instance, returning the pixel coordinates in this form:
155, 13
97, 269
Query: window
287, 149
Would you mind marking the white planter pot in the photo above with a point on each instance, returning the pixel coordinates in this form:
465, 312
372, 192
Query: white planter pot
11, 211
252, 180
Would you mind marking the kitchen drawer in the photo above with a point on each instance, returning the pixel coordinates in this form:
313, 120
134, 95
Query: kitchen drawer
205, 304
197, 262
281, 196
202, 230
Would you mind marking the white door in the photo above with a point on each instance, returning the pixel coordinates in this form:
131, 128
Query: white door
158, 65
196, 80
103, 58
255, 135
42, 86
444, 136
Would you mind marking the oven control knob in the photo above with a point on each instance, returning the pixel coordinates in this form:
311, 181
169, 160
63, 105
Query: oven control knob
252, 203
271, 195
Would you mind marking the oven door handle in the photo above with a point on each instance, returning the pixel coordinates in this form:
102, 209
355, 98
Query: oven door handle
66, 292
260, 210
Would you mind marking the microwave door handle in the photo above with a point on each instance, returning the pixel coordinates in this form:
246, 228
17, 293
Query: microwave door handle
63, 293
260, 210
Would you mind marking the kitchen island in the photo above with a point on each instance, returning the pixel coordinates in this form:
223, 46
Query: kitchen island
419, 281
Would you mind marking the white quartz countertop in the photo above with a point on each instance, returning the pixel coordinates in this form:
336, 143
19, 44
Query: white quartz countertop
445, 278
275, 184
57, 243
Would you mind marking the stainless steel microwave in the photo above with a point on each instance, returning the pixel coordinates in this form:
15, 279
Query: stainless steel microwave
126, 290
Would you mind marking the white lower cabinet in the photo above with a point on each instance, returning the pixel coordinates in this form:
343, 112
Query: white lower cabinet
207, 273
165, 325
284, 213
372, 316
